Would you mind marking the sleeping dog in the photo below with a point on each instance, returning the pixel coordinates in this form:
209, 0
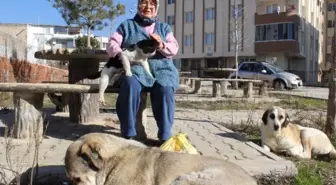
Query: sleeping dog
135, 54
278, 134
105, 159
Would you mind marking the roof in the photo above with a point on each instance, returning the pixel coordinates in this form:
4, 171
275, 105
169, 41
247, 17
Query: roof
41, 25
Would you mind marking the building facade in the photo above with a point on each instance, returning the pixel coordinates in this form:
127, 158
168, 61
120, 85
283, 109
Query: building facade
21, 41
103, 41
329, 26
286, 32
292, 31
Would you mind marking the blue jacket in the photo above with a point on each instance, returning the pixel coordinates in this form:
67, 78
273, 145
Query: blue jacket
162, 68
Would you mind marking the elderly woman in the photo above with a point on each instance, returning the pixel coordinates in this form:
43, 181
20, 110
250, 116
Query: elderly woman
143, 26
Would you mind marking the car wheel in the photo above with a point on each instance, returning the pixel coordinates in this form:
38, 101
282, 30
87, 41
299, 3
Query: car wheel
279, 85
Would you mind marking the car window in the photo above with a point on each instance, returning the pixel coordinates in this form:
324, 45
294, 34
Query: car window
257, 67
268, 71
246, 67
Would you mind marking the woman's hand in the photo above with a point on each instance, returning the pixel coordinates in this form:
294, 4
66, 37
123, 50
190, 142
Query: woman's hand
157, 38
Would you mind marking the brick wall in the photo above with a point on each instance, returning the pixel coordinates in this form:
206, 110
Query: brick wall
12, 70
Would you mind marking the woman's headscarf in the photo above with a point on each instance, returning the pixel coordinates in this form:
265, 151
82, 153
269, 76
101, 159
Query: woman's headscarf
145, 20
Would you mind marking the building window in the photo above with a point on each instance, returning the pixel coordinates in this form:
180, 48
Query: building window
209, 38
330, 40
331, 24
331, 6
328, 57
171, 19
210, 13
272, 8
188, 40
273, 32
188, 17
171, 1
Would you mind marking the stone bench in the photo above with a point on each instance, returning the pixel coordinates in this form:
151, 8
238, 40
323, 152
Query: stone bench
28, 105
219, 85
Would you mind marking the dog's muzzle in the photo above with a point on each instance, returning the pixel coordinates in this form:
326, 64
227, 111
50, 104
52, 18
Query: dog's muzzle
276, 127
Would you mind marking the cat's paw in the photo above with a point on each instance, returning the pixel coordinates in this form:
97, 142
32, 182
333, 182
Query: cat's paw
128, 74
101, 101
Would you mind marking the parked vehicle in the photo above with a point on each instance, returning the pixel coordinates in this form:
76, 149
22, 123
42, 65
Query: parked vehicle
275, 76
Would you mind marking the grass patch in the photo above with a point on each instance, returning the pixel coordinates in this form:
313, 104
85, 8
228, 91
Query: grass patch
285, 101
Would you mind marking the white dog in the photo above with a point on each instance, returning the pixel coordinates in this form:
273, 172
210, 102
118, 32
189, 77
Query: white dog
136, 54
278, 134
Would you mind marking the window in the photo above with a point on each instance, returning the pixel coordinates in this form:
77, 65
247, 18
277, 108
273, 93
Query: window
272, 32
246, 67
272, 8
331, 24
60, 30
210, 13
188, 40
239, 10
330, 39
269, 9
209, 38
188, 17
171, 1
171, 19
328, 57
331, 6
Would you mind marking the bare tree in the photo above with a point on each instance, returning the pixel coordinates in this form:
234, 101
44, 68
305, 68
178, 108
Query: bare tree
330, 127
237, 36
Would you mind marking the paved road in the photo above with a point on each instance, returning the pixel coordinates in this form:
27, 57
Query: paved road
314, 92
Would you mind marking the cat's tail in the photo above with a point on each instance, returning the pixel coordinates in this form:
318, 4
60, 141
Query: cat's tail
94, 76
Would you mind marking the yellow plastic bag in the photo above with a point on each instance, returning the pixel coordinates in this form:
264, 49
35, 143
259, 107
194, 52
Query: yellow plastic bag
179, 143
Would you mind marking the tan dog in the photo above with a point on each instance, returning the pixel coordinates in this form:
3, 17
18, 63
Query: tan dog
278, 134
104, 159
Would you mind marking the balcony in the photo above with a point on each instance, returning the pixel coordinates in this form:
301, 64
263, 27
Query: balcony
277, 18
290, 47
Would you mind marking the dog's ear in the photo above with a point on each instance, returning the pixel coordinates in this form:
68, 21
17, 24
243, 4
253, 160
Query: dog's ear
94, 154
287, 120
264, 117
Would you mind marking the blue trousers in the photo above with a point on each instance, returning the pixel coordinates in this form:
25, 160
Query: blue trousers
128, 102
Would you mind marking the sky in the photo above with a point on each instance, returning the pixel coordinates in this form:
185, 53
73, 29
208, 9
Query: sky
42, 12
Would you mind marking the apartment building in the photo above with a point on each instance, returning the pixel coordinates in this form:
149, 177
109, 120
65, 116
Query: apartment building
23, 40
329, 27
204, 30
286, 32
293, 32
103, 41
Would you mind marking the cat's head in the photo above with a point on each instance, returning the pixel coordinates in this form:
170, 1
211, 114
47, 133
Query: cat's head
147, 47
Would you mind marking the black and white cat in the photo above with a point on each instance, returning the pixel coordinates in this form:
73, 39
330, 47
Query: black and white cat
135, 54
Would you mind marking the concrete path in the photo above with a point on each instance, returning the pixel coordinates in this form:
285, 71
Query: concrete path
203, 129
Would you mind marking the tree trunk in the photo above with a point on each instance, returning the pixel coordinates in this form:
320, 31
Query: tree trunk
83, 107
330, 127
88, 38
236, 41
28, 121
